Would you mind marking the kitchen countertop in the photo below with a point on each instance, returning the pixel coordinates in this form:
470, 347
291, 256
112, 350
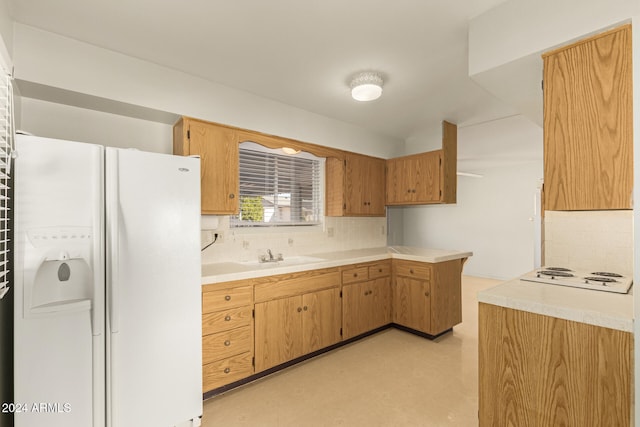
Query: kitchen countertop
605, 309
229, 271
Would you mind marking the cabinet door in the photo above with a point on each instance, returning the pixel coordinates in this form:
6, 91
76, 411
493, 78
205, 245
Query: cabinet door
588, 124
355, 309
278, 332
219, 158
364, 185
396, 185
355, 186
414, 179
380, 302
425, 175
411, 304
321, 319
375, 179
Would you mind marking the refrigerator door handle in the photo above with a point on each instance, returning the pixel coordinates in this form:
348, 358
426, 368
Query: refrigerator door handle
114, 239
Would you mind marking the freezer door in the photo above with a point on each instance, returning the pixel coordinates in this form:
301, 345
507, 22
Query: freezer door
153, 287
59, 342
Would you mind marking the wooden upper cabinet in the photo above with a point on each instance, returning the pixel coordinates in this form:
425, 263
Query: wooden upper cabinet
414, 179
588, 145
426, 177
355, 186
217, 147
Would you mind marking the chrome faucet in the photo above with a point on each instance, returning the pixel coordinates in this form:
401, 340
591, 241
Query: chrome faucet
269, 257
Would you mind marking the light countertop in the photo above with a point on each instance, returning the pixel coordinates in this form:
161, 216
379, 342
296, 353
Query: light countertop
229, 271
605, 309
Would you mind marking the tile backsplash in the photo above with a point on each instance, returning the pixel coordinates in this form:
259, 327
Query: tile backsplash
337, 234
589, 240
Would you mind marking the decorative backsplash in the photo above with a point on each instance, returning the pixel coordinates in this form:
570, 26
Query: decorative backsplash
337, 234
585, 240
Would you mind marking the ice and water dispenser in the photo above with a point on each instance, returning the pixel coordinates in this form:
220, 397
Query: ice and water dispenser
57, 270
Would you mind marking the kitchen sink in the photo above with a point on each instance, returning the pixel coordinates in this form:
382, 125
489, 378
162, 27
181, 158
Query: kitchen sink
293, 260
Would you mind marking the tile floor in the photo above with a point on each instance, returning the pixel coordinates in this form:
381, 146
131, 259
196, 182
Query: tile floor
392, 378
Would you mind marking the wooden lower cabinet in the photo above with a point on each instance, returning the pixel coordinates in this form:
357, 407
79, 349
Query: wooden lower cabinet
295, 314
366, 298
412, 303
227, 333
537, 370
252, 325
288, 328
427, 297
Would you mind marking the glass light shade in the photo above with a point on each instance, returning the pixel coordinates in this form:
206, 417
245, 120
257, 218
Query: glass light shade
366, 92
366, 86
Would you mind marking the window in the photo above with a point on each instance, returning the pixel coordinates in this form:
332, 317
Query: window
6, 149
277, 189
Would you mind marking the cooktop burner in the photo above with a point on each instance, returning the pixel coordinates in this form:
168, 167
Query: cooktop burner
555, 273
597, 280
601, 279
605, 274
559, 269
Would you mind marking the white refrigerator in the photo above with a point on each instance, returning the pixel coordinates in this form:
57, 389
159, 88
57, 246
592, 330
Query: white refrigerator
107, 304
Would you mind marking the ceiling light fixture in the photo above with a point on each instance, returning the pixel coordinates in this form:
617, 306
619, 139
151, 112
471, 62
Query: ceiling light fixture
366, 86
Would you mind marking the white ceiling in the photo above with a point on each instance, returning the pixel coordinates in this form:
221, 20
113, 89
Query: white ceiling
299, 52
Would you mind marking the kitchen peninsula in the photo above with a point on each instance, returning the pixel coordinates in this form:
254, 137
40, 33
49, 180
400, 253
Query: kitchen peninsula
261, 317
554, 355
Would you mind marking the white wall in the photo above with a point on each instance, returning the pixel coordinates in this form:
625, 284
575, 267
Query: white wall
491, 219
491, 216
54, 120
54, 61
516, 29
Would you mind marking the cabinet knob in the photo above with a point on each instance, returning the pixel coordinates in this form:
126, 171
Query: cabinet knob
411, 270
299, 309
232, 196
227, 318
409, 190
355, 274
227, 343
426, 294
305, 308
227, 297
227, 370
379, 270
413, 191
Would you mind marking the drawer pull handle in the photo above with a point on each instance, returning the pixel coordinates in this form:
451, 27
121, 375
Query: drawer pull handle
227, 298
227, 318
227, 343
227, 370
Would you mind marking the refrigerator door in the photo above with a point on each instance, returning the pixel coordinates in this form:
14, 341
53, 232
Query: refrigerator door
59, 343
154, 366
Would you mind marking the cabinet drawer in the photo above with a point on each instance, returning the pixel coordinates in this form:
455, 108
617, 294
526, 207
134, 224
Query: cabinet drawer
355, 275
381, 270
232, 318
224, 344
226, 371
413, 269
221, 299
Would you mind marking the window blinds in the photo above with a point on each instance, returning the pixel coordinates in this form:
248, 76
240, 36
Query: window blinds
6, 150
278, 189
